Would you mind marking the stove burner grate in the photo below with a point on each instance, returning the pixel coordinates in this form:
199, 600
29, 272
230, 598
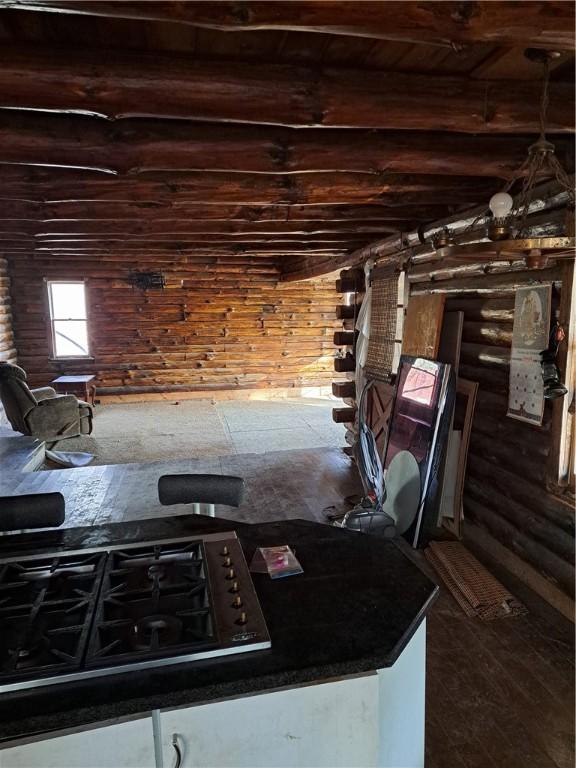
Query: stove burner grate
154, 601
46, 609
81, 614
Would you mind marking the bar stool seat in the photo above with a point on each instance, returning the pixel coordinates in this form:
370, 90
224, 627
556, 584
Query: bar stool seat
201, 489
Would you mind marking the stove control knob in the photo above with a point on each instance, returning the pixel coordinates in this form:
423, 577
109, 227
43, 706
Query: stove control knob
231, 574
237, 602
234, 587
242, 619
225, 551
227, 562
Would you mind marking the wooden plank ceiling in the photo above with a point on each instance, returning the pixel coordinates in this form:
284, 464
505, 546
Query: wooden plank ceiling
295, 130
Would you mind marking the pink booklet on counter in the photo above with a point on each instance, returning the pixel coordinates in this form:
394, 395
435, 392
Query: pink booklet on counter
276, 561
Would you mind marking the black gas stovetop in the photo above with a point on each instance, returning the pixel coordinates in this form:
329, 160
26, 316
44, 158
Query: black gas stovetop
85, 613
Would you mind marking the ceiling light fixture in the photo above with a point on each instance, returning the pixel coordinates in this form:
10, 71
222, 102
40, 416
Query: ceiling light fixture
509, 216
508, 228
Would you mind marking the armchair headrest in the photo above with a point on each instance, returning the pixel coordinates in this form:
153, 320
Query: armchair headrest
11, 371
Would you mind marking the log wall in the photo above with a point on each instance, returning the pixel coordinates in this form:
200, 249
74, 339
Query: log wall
219, 324
506, 492
7, 348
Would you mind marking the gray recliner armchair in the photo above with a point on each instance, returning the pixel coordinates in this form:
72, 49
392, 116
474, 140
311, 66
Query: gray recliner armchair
41, 413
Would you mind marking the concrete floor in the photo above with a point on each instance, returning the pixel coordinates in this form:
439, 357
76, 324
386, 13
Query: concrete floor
167, 431
279, 485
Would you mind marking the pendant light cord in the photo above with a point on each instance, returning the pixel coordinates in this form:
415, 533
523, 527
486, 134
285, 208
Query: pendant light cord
544, 100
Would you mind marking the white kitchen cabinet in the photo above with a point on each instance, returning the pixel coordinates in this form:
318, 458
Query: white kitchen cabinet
375, 720
122, 745
333, 724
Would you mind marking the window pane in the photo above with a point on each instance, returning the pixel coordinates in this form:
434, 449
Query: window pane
70, 338
68, 301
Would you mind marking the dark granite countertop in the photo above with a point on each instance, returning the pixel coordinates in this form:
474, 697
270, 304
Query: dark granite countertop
353, 610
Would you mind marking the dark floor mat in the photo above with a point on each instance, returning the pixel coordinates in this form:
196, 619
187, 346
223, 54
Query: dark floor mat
473, 587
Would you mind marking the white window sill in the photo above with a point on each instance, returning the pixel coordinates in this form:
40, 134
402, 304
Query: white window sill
71, 359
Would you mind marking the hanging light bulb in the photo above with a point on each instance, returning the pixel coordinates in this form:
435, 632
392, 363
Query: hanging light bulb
501, 204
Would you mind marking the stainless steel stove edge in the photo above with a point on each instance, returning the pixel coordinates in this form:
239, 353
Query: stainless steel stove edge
73, 677
205, 537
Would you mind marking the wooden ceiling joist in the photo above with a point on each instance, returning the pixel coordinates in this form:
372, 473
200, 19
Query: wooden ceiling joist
169, 253
322, 188
53, 214
134, 146
139, 85
190, 241
156, 144
540, 24
133, 228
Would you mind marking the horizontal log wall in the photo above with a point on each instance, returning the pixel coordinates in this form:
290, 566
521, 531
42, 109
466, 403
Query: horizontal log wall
218, 324
7, 348
506, 492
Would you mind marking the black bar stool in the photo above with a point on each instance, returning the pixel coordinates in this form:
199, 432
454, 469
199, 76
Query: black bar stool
201, 489
33, 510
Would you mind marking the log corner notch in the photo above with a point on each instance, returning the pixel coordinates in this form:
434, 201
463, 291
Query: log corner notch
350, 284
7, 344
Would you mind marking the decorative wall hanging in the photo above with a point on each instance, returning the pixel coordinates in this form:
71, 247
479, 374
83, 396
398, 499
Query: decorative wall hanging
145, 280
530, 336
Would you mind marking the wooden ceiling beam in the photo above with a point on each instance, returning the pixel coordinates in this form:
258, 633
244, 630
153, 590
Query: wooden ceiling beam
175, 252
105, 243
17, 183
539, 24
139, 85
134, 229
72, 213
131, 147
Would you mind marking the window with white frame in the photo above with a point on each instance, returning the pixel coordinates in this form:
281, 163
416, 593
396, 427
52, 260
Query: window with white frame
68, 318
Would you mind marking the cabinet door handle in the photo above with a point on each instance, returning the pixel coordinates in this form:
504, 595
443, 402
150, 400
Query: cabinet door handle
177, 749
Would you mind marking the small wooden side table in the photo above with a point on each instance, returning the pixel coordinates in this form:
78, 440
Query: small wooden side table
76, 385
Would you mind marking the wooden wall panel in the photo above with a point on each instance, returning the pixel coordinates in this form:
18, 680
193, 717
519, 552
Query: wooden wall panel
506, 492
219, 324
7, 347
